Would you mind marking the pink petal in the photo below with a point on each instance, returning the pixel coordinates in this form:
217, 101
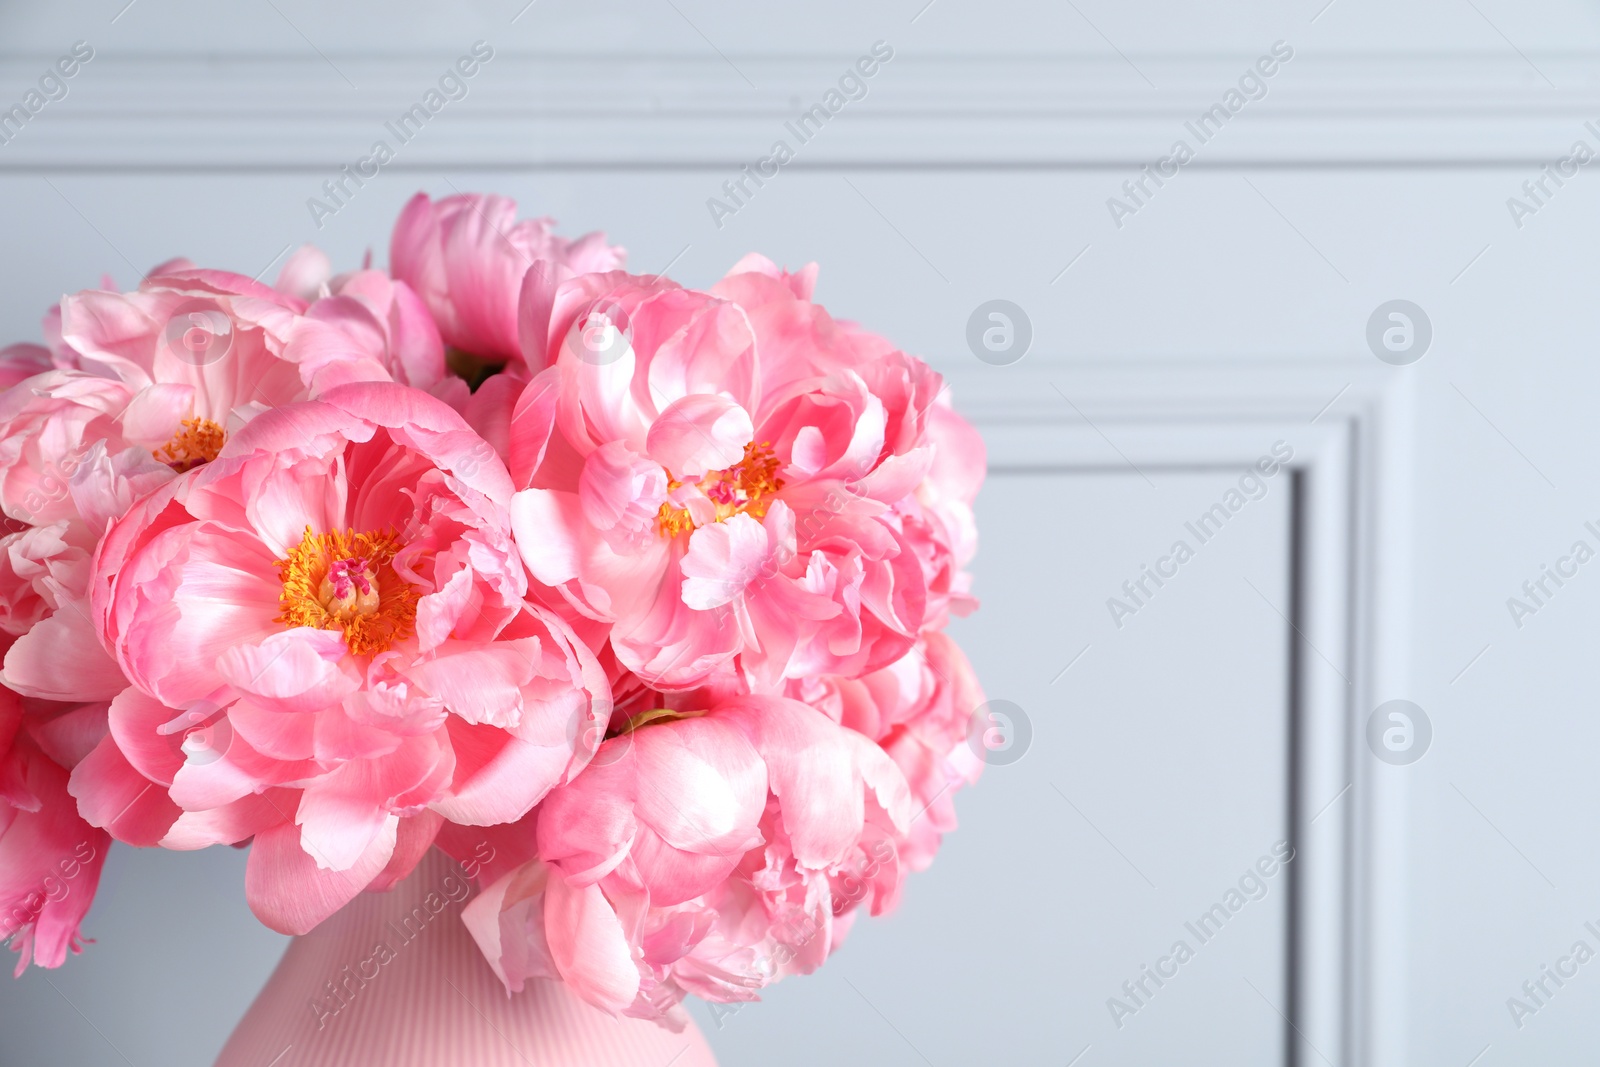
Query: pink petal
620, 487
588, 945
135, 720
702, 787
549, 529
61, 658
559, 547
535, 302
304, 273
959, 458
273, 732
507, 922
429, 426
587, 827
117, 798
229, 824
414, 344
298, 670
498, 778
480, 682
674, 875
723, 559
414, 837
533, 420
344, 811
813, 770
884, 777
222, 767
698, 433
155, 414
288, 891
41, 851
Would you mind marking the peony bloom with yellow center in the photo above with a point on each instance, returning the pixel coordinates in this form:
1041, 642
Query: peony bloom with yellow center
335, 610
197, 441
346, 581
742, 489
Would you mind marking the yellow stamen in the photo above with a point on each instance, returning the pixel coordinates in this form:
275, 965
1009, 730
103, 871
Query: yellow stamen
742, 489
197, 441
346, 581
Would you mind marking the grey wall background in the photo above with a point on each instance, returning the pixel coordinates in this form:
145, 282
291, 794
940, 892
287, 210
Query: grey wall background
1378, 167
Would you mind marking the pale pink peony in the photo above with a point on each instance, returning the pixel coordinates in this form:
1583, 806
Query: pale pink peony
738, 484
50, 859
150, 384
193, 343
147, 384
470, 260
67, 468
329, 648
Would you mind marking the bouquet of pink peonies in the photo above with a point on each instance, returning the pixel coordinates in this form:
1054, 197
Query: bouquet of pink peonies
642, 587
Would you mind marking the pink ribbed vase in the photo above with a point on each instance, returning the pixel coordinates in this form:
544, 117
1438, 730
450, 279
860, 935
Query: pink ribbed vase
395, 980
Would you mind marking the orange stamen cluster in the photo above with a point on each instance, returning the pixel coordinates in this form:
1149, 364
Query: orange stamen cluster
197, 441
742, 489
346, 581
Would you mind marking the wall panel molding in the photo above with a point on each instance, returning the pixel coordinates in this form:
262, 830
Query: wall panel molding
527, 110
1349, 621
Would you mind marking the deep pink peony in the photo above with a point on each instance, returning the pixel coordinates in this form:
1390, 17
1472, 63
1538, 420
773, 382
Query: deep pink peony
664, 866
739, 484
50, 859
329, 648
923, 711
469, 259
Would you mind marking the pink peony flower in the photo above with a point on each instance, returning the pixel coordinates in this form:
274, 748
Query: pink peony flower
50, 859
192, 343
923, 710
148, 385
153, 384
681, 844
736, 483
18, 362
329, 648
66, 468
360, 326
646, 629
470, 260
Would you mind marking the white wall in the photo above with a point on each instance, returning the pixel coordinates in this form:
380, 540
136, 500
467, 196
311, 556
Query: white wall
1381, 162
